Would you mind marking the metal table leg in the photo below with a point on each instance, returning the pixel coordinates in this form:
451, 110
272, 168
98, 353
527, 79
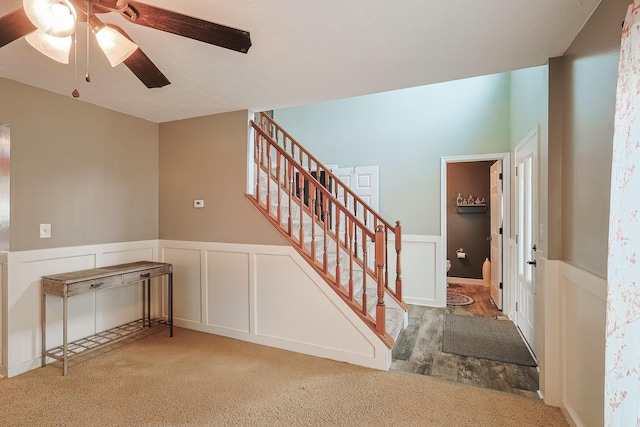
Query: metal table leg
65, 360
170, 304
148, 302
44, 328
144, 297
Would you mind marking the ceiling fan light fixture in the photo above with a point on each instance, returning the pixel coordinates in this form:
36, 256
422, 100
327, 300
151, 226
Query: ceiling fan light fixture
54, 17
115, 46
56, 48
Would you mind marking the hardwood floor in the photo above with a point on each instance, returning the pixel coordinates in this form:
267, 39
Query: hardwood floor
419, 349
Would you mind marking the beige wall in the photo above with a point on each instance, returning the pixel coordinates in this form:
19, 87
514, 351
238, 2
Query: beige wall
589, 75
554, 161
206, 158
90, 172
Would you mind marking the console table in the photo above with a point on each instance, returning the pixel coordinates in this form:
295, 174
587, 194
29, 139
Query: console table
67, 285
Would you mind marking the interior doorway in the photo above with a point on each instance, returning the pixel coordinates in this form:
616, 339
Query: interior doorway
469, 224
500, 260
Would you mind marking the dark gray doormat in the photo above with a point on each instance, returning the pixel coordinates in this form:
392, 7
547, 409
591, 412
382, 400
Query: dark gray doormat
485, 339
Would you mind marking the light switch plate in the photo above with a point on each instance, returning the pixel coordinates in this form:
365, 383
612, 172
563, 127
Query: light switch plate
198, 203
45, 231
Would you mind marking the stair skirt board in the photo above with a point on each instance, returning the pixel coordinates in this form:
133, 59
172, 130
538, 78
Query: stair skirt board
396, 316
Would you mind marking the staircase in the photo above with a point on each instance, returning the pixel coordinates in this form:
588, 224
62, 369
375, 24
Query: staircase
348, 244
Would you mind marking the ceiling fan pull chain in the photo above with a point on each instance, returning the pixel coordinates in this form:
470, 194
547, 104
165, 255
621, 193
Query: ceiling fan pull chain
87, 76
75, 92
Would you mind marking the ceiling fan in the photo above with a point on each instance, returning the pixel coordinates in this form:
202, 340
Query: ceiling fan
48, 25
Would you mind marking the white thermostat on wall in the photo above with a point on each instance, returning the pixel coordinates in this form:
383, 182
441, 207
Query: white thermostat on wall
198, 203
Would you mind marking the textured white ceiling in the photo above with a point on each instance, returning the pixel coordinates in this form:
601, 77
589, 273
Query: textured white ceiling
305, 52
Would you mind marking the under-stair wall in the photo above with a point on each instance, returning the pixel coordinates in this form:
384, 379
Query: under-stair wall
267, 295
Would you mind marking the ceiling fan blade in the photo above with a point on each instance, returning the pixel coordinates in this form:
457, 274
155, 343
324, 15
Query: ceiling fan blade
14, 25
193, 28
140, 65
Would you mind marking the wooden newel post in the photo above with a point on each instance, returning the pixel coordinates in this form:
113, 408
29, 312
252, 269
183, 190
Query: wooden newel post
398, 264
380, 308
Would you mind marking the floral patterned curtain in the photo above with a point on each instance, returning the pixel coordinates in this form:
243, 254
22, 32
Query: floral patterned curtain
622, 365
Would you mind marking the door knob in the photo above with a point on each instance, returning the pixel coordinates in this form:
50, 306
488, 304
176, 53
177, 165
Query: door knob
532, 262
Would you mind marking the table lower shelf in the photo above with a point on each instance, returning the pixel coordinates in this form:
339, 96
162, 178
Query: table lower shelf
100, 340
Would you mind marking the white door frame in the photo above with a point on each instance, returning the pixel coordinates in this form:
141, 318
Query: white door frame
507, 291
532, 137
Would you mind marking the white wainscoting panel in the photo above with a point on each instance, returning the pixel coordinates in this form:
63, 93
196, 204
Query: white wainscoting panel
423, 272
310, 318
187, 289
267, 295
3, 320
549, 359
88, 313
110, 312
583, 303
228, 290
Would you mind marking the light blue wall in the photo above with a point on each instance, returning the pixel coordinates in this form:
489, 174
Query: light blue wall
530, 108
529, 102
406, 133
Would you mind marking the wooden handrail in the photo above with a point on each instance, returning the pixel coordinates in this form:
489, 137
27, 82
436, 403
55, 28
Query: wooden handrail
311, 178
311, 158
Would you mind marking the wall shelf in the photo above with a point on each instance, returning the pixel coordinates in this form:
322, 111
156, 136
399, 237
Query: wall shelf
477, 208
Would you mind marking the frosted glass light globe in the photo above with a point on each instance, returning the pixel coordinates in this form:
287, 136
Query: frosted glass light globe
54, 17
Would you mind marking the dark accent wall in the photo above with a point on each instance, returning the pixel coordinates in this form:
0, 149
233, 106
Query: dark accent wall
469, 228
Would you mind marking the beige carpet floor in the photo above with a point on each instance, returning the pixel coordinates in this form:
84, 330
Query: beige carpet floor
198, 379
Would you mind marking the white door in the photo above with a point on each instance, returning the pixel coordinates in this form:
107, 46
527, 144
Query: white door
497, 213
363, 180
526, 236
